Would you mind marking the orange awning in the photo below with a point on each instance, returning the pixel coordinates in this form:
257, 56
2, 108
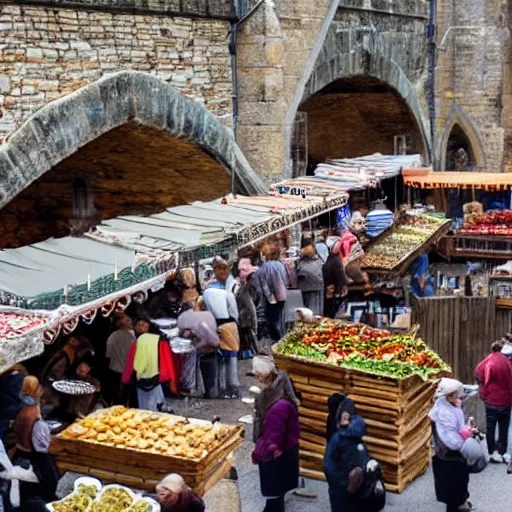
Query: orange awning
425, 178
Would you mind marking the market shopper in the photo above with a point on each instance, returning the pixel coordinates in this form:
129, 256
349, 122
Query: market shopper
494, 374
335, 283
200, 326
174, 495
118, 347
451, 473
421, 281
32, 444
346, 458
275, 434
12, 478
221, 302
273, 279
11, 382
248, 300
149, 365
310, 279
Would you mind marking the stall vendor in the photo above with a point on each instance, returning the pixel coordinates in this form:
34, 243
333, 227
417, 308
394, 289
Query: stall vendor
82, 405
61, 365
421, 282
351, 251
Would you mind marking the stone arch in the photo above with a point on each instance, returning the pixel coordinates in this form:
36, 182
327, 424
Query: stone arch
62, 127
457, 117
364, 63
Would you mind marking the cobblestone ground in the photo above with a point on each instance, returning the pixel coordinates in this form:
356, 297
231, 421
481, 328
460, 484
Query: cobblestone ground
491, 491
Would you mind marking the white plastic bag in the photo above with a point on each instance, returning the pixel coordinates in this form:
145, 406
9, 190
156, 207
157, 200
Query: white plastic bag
475, 453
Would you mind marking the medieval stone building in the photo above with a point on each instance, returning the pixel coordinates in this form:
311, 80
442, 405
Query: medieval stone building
122, 107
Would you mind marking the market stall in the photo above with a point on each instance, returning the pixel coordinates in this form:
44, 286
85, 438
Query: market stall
138, 448
391, 378
396, 249
480, 230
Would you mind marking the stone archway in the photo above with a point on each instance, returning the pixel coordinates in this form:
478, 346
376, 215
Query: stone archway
60, 129
363, 63
358, 116
128, 144
458, 120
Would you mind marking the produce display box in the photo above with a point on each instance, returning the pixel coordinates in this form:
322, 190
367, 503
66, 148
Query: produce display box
402, 264
395, 412
391, 378
142, 469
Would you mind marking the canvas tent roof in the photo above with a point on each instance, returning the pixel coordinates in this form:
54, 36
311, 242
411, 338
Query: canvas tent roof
36, 276
425, 178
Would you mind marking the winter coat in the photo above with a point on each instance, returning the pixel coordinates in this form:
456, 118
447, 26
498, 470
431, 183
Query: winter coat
494, 374
309, 275
448, 420
344, 452
334, 276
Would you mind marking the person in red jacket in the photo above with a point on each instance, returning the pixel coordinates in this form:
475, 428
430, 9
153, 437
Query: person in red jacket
494, 374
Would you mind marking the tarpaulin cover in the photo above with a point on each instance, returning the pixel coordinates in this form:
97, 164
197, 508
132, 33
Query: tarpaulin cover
50, 265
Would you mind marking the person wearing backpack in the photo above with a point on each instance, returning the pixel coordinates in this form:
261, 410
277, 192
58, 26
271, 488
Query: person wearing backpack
354, 479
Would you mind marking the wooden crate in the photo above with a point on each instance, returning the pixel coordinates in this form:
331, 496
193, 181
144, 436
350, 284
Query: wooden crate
143, 470
395, 412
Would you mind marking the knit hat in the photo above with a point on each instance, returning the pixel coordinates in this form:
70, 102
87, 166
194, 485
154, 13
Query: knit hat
448, 386
507, 349
173, 483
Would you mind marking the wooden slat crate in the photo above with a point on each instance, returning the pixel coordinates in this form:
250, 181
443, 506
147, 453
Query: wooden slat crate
395, 411
143, 470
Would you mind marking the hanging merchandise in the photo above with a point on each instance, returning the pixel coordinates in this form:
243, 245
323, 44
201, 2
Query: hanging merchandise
343, 217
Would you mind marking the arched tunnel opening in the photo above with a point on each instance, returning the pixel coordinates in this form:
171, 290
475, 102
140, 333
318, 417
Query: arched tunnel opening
359, 116
130, 170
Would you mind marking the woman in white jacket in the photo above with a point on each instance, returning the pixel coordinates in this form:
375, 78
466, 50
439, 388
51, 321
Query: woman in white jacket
451, 474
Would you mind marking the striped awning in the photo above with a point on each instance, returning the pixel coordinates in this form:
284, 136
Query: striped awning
425, 178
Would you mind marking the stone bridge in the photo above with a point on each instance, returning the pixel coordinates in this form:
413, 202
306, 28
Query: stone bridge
313, 80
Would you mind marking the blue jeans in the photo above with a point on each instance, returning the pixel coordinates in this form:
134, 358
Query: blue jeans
500, 416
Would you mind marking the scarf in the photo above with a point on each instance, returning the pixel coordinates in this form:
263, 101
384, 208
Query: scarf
145, 362
279, 389
187, 500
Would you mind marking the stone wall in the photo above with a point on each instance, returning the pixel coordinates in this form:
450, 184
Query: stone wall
470, 77
46, 53
205, 8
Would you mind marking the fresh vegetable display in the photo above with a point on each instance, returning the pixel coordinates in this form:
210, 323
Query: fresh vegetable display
492, 223
401, 241
364, 348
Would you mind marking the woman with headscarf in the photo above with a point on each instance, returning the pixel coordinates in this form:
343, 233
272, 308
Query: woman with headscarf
248, 299
351, 251
310, 280
221, 302
32, 444
451, 474
174, 495
346, 457
275, 434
